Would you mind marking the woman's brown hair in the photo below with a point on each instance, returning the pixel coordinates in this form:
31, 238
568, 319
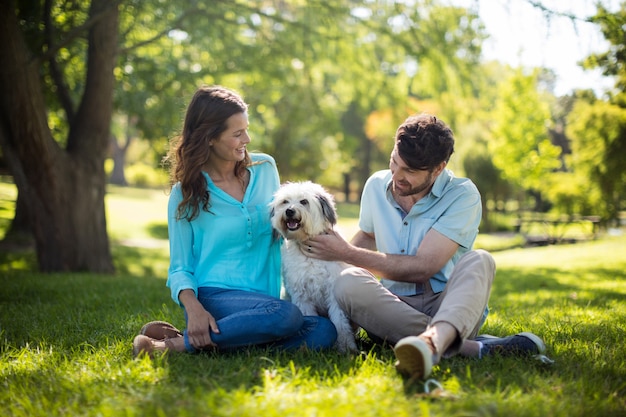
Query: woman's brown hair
205, 120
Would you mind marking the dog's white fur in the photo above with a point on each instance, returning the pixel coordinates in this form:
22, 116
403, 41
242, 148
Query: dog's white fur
301, 210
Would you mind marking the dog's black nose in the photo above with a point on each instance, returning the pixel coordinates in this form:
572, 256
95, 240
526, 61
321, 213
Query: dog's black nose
290, 212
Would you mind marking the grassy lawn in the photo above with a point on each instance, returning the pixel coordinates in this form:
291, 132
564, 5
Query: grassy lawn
65, 341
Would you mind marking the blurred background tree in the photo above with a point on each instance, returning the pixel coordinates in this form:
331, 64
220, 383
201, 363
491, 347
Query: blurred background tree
598, 127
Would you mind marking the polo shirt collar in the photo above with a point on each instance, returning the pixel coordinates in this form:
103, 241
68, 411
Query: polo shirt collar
440, 183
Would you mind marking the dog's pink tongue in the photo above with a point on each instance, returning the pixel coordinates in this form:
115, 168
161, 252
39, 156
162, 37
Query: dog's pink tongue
292, 224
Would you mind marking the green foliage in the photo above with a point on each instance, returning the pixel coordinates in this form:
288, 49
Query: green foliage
448, 73
598, 128
571, 193
598, 133
296, 65
8, 195
520, 145
479, 166
613, 61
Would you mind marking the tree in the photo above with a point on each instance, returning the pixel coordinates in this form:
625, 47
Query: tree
598, 130
520, 144
409, 53
62, 183
613, 61
480, 168
166, 49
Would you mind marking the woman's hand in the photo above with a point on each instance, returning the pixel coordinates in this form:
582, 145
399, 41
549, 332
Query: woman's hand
199, 321
198, 325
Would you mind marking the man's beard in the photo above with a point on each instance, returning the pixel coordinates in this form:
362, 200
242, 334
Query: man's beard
427, 183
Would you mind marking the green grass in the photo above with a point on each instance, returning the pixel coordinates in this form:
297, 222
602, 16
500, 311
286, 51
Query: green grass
65, 342
135, 214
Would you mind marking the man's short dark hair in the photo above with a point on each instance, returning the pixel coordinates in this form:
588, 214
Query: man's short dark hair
424, 142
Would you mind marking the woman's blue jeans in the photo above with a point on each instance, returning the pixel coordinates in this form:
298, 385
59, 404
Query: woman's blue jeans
247, 318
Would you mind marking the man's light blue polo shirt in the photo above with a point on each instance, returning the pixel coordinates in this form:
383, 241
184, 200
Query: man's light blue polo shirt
452, 208
231, 246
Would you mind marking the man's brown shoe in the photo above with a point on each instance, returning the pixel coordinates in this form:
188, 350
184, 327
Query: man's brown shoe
160, 330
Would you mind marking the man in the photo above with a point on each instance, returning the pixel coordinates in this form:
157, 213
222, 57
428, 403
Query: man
417, 226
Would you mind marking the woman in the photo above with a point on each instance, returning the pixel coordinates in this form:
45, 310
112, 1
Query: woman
224, 260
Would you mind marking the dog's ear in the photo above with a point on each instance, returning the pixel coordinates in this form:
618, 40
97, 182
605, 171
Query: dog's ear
328, 210
275, 234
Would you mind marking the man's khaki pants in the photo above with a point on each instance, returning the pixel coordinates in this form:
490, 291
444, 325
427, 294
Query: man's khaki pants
390, 317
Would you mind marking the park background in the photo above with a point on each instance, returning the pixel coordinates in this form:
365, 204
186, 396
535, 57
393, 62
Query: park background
93, 91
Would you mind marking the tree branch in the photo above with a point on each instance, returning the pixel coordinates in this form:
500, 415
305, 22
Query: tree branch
178, 22
175, 25
75, 33
62, 90
547, 11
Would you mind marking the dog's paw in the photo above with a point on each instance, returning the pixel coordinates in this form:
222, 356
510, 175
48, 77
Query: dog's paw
346, 344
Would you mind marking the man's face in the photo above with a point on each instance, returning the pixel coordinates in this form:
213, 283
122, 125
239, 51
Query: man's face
407, 181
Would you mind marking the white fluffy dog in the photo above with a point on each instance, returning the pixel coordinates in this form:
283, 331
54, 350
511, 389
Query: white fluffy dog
301, 210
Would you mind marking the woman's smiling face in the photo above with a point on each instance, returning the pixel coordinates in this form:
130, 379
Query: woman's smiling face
231, 144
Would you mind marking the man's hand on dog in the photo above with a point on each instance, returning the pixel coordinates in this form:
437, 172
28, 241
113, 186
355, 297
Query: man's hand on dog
330, 246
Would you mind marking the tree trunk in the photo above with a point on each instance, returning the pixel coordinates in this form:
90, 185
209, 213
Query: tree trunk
353, 122
118, 153
64, 188
346, 186
364, 167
